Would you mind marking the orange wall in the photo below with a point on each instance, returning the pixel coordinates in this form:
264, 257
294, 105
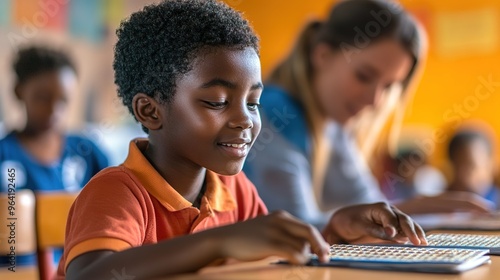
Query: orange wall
448, 78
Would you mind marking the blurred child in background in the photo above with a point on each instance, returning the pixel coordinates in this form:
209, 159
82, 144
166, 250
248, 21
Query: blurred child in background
44, 157
401, 186
409, 174
472, 159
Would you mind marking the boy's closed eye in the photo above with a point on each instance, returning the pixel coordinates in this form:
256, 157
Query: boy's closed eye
216, 104
252, 106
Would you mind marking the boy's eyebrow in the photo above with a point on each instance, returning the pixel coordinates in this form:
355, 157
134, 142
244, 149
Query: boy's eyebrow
228, 84
258, 85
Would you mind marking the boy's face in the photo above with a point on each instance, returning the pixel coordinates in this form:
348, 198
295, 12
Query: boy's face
213, 118
473, 167
45, 96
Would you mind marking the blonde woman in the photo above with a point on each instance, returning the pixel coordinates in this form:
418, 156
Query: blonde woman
346, 72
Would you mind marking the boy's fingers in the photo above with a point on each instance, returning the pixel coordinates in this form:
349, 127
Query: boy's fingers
315, 239
303, 247
397, 226
407, 227
388, 220
285, 238
390, 231
410, 229
417, 229
323, 252
380, 225
307, 232
421, 234
297, 257
377, 231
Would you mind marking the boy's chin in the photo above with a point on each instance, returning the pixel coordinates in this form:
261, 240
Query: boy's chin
229, 170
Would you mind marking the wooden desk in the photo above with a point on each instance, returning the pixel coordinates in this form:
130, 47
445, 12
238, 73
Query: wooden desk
264, 270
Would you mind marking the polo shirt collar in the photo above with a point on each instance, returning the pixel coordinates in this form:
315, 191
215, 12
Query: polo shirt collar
217, 194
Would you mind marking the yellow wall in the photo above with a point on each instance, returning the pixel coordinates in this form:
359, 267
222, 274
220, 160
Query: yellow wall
464, 46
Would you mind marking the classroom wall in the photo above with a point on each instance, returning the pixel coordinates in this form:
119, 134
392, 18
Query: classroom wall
464, 54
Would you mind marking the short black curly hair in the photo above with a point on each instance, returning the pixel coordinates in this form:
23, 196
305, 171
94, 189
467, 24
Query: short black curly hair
33, 60
159, 43
463, 138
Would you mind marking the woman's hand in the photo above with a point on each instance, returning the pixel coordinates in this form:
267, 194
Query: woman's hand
373, 223
447, 202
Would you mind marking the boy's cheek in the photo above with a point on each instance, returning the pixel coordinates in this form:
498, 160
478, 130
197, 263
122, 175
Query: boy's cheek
256, 132
257, 126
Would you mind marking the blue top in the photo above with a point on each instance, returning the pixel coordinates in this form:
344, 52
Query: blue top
493, 195
279, 163
81, 159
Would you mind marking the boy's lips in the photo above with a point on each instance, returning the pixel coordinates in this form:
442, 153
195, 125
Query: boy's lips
237, 141
236, 147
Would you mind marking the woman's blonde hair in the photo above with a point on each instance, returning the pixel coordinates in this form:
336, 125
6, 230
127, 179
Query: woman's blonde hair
339, 31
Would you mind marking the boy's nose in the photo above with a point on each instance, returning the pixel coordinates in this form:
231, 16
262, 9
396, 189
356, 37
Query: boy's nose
241, 119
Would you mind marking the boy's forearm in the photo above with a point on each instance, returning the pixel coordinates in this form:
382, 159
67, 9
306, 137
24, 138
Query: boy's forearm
180, 255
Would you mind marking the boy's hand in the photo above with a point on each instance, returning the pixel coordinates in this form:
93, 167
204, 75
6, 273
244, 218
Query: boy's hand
278, 234
369, 223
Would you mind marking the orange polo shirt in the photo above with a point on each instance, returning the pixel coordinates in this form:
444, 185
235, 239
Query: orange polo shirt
132, 205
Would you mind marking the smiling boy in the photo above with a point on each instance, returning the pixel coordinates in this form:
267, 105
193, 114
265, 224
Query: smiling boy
189, 71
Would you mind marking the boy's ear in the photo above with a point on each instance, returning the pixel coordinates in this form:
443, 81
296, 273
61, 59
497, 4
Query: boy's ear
147, 111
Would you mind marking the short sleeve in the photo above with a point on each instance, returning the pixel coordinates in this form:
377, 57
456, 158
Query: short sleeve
98, 222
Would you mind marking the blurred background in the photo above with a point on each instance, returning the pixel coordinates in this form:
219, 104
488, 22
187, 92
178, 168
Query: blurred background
460, 83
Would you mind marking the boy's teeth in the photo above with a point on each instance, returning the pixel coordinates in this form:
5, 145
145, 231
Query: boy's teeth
234, 145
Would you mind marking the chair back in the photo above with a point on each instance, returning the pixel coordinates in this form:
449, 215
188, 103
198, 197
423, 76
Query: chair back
52, 211
17, 228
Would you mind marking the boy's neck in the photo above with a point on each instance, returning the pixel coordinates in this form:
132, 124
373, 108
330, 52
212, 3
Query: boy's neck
184, 177
31, 134
45, 146
30, 131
